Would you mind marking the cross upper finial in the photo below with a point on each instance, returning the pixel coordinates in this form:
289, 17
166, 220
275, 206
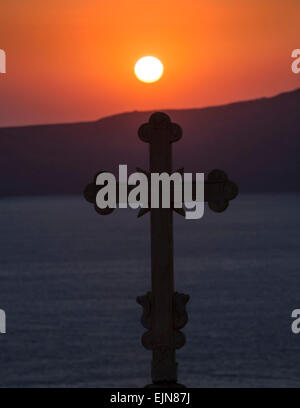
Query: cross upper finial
160, 122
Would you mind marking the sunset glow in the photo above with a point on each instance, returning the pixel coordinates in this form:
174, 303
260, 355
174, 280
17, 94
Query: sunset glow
70, 61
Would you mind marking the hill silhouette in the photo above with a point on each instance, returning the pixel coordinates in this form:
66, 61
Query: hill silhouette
257, 142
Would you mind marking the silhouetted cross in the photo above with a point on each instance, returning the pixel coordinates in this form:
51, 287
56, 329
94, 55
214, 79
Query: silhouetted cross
164, 311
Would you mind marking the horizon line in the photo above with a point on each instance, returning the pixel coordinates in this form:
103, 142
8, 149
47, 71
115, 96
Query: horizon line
155, 110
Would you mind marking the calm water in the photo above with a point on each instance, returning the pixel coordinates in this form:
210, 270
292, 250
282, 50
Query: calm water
69, 279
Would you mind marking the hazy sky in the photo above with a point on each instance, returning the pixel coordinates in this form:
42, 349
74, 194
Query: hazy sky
72, 60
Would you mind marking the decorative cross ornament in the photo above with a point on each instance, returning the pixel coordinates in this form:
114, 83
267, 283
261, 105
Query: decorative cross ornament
164, 312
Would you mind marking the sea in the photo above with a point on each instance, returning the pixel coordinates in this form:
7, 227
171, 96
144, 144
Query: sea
69, 279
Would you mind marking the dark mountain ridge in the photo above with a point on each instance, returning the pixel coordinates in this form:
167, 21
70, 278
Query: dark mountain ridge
257, 142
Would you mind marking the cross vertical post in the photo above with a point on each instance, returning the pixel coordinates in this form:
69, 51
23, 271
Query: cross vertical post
160, 133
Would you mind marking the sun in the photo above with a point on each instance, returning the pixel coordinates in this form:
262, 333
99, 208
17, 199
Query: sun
149, 69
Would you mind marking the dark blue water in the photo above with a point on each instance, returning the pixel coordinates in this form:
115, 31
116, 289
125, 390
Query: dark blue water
69, 279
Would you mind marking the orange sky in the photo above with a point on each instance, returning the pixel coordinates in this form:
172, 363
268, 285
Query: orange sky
73, 60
